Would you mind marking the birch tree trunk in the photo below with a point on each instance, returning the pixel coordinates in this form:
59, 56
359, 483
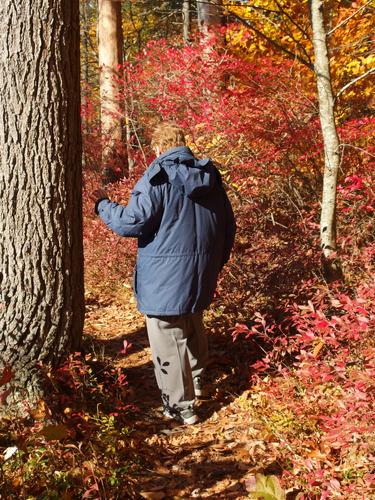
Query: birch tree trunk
110, 40
210, 14
128, 109
330, 140
186, 20
41, 258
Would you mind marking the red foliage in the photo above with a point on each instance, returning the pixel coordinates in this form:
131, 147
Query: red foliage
261, 125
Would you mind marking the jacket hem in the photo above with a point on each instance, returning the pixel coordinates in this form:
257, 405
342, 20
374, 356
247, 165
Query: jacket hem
156, 256
171, 312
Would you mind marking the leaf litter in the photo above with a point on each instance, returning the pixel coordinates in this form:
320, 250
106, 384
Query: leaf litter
212, 459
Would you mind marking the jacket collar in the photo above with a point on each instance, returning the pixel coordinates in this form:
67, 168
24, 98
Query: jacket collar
176, 152
179, 150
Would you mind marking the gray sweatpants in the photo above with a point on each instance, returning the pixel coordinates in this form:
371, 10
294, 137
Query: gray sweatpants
179, 350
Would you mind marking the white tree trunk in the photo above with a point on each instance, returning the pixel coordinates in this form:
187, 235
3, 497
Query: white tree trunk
329, 132
110, 57
210, 14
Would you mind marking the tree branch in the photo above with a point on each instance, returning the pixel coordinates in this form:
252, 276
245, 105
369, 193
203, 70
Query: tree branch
255, 7
247, 23
291, 19
348, 18
352, 82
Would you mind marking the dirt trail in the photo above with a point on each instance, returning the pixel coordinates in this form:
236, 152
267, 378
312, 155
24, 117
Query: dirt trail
212, 459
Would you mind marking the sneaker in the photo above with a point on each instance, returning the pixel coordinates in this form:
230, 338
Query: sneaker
198, 388
187, 416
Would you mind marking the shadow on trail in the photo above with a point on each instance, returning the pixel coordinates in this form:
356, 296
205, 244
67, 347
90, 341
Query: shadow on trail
112, 347
227, 374
172, 462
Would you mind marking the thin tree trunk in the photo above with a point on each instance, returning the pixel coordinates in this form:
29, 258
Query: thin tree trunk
85, 43
41, 258
210, 14
186, 20
330, 140
128, 125
110, 58
85, 75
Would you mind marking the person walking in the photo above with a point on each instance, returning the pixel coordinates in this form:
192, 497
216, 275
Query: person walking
185, 226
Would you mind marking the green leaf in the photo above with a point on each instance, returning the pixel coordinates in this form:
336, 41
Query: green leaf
268, 488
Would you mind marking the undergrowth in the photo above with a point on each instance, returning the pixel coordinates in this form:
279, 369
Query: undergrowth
312, 386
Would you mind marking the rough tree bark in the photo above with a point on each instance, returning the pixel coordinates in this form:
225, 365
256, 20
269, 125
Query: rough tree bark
330, 140
41, 258
210, 14
186, 20
110, 41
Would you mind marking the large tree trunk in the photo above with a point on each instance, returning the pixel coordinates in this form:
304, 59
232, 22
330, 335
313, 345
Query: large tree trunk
186, 20
41, 258
330, 139
110, 40
210, 14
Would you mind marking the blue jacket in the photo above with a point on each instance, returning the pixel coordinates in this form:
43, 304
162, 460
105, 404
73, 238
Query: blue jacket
185, 227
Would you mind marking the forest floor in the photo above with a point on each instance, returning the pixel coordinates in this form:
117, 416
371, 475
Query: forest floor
216, 458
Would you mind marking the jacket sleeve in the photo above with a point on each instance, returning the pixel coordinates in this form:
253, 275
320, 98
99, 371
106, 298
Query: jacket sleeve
230, 229
139, 218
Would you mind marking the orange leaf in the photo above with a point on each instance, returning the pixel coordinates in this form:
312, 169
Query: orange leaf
319, 346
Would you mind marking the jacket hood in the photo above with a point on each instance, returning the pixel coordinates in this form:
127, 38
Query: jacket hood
195, 178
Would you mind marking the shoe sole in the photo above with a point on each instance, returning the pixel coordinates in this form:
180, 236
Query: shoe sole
190, 421
185, 421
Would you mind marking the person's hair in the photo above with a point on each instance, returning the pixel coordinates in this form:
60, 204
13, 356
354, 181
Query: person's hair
167, 135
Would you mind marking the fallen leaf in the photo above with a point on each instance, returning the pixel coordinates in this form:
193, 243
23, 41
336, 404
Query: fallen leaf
9, 452
267, 488
6, 376
67, 495
40, 411
4, 395
160, 469
55, 432
154, 495
250, 483
126, 346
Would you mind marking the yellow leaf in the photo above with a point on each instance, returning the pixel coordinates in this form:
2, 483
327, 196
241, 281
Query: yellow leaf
268, 488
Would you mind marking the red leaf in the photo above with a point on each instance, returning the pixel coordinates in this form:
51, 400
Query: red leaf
6, 376
126, 346
322, 324
87, 493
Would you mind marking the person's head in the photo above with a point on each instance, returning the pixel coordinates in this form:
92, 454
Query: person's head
167, 135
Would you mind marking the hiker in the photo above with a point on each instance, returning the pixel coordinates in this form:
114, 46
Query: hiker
185, 227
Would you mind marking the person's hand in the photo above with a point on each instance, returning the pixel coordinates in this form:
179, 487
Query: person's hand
98, 194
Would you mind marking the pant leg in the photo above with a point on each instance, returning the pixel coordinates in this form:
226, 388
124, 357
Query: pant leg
197, 344
168, 342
